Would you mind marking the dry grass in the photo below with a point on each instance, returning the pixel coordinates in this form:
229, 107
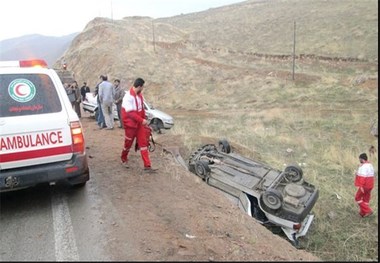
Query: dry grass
326, 124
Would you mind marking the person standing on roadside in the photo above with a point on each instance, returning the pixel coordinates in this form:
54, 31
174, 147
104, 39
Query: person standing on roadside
118, 99
364, 180
135, 124
83, 90
77, 101
106, 94
99, 113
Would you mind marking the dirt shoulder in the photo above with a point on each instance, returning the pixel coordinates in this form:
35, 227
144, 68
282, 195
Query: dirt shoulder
173, 214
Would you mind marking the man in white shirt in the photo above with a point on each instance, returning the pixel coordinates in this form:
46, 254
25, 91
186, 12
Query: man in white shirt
106, 94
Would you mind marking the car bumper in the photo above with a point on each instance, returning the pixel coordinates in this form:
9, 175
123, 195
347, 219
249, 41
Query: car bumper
305, 225
89, 107
168, 125
74, 171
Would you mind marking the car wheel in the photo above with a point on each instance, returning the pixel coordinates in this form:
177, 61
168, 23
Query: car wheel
202, 169
193, 160
224, 146
293, 173
157, 123
272, 198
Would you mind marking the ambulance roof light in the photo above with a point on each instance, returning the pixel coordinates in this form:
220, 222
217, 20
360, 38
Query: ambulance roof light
23, 63
33, 63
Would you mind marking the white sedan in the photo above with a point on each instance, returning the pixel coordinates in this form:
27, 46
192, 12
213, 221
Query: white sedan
157, 118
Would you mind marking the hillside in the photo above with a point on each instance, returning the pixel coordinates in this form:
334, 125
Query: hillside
323, 28
228, 73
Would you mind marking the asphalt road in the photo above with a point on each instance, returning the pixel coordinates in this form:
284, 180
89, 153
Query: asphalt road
54, 223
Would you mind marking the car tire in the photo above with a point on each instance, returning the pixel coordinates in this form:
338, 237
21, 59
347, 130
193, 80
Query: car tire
157, 123
293, 173
272, 198
202, 169
224, 146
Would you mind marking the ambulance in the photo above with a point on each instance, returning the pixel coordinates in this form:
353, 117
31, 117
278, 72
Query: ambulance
41, 136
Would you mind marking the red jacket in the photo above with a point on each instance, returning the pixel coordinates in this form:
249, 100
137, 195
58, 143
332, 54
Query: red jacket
131, 115
365, 176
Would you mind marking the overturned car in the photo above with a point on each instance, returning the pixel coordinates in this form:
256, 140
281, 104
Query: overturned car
274, 198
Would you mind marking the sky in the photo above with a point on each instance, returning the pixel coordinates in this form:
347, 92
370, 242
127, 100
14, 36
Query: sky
63, 17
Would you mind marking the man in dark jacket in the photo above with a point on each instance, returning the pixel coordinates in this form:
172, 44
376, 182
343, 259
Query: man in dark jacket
118, 99
77, 101
83, 90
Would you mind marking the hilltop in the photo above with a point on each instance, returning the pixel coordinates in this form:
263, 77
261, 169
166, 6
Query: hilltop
186, 51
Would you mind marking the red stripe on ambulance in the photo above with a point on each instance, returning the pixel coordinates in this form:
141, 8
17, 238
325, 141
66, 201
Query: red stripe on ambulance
17, 156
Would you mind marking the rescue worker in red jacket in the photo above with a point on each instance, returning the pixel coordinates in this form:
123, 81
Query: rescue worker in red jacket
364, 180
134, 123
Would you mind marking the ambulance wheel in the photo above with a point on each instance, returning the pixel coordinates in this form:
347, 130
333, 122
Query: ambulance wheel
80, 185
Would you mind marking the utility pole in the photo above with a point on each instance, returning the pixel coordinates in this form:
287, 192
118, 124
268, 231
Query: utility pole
294, 48
111, 11
154, 41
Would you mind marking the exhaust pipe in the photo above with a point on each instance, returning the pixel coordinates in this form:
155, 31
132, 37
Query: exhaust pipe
11, 181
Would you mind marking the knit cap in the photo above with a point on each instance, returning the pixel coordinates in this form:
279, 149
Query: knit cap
363, 156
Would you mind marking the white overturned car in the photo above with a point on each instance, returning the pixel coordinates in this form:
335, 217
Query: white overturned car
156, 118
273, 197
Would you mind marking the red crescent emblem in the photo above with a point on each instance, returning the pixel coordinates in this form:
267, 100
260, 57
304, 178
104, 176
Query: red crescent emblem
17, 90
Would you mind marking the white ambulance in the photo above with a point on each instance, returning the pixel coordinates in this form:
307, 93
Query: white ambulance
41, 136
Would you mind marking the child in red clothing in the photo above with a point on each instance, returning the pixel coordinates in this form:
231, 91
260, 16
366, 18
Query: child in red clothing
364, 180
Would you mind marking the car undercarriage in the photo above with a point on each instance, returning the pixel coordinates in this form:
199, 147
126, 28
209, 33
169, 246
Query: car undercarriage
271, 196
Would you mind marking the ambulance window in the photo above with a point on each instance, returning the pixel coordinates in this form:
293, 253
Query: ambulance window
27, 94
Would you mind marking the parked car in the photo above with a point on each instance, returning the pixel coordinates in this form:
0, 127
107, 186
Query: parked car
41, 138
156, 118
273, 197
